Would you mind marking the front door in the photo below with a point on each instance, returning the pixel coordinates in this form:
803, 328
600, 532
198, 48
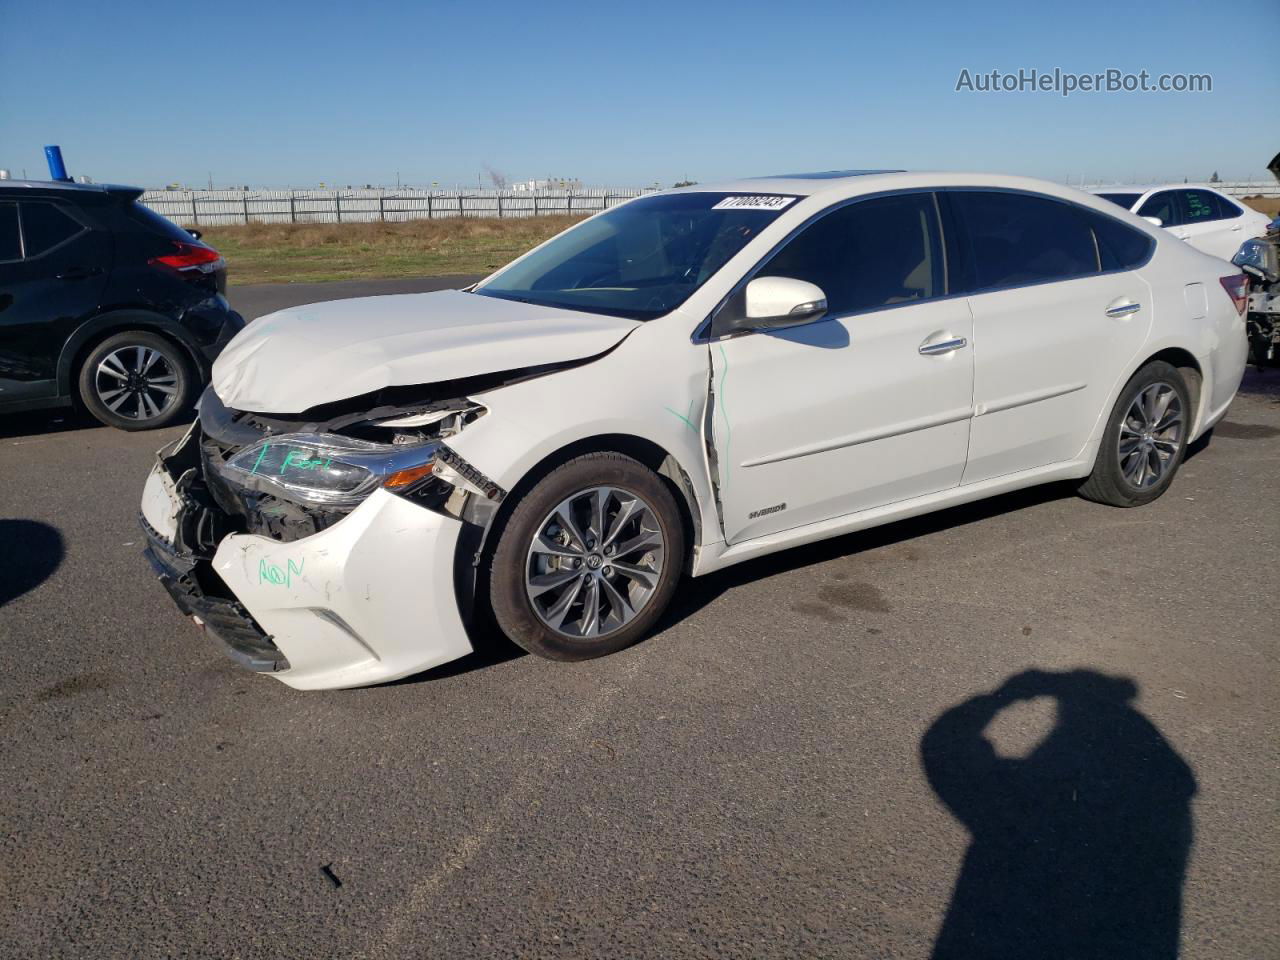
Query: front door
866, 407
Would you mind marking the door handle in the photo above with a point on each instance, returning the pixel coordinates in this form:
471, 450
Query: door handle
1124, 309
79, 273
935, 347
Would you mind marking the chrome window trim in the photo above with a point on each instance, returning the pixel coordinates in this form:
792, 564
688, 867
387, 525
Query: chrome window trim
702, 333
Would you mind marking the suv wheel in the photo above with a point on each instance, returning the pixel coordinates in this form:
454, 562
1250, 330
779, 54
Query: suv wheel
137, 381
588, 560
1144, 441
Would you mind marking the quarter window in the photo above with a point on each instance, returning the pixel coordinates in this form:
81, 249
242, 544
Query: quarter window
1120, 247
868, 254
1164, 206
10, 244
1017, 238
44, 226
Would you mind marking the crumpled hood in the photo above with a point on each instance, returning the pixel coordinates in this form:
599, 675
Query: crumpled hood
295, 359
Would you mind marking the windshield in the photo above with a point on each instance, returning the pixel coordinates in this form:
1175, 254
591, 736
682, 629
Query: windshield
1126, 200
644, 258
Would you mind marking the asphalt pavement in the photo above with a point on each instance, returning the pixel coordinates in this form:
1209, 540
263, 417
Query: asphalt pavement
792, 766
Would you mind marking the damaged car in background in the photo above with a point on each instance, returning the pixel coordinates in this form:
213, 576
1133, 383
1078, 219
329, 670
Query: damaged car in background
683, 382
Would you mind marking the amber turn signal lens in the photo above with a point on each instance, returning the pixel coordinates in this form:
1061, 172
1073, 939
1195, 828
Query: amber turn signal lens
410, 475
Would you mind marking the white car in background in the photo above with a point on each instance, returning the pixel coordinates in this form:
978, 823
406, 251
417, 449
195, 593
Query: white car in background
1205, 218
683, 382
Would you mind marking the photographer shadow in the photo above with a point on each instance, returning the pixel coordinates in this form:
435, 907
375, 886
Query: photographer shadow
1079, 848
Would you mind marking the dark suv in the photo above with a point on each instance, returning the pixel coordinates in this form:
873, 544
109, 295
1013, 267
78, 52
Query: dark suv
106, 304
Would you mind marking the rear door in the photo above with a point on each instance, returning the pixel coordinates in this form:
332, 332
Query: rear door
866, 407
1211, 223
45, 294
1057, 318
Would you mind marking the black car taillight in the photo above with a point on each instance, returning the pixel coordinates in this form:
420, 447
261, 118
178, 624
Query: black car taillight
189, 258
1237, 287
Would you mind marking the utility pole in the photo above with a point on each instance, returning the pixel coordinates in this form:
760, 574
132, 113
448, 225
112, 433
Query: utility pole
211, 181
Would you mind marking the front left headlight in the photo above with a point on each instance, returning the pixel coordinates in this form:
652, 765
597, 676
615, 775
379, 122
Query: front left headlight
331, 470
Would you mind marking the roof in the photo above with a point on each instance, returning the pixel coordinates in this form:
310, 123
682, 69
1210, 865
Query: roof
68, 185
799, 184
1140, 188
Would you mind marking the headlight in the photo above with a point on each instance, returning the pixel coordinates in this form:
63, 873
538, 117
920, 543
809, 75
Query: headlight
329, 469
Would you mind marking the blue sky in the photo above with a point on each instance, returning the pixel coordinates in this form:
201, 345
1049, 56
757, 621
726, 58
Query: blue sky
281, 93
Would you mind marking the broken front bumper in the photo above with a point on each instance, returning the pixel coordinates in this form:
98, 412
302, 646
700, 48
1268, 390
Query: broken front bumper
364, 601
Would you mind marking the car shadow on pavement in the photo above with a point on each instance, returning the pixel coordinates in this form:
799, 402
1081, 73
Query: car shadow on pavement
698, 592
30, 551
1079, 848
37, 423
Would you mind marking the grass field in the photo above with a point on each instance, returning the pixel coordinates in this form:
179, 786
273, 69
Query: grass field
283, 253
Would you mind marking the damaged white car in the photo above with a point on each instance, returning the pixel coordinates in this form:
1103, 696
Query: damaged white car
683, 382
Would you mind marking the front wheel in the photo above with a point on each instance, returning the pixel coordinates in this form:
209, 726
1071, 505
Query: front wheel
137, 380
589, 559
1144, 441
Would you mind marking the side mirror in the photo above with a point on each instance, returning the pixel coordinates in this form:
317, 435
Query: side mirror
770, 303
195, 234
783, 302
1154, 221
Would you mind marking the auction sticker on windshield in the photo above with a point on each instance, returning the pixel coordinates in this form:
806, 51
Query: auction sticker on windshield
758, 202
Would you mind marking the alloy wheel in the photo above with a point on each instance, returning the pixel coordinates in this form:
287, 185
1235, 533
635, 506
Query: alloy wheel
595, 562
136, 382
1151, 435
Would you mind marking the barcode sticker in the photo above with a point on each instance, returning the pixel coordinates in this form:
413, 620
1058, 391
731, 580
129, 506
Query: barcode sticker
765, 201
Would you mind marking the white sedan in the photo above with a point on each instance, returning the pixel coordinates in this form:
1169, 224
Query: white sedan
1205, 218
683, 382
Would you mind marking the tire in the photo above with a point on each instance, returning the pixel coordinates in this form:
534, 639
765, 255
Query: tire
539, 561
114, 389
1152, 417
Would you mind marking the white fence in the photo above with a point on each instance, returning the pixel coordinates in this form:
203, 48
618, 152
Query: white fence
1232, 188
216, 207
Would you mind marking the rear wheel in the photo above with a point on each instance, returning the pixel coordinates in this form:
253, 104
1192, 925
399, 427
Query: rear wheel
1145, 439
137, 381
588, 560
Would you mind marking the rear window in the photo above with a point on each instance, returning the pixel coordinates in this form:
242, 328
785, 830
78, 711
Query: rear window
10, 245
45, 226
1017, 239
157, 224
1126, 200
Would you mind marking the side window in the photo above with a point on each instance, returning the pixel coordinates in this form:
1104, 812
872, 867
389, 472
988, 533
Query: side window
44, 226
1226, 209
1199, 206
871, 253
1120, 247
10, 244
1018, 238
1163, 205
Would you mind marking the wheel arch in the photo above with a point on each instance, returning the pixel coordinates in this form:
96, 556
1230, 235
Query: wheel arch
1187, 365
92, 332
1182, 359
653, 455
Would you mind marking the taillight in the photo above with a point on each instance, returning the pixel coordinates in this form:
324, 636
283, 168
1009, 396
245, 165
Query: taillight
1237, 287
190, 256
